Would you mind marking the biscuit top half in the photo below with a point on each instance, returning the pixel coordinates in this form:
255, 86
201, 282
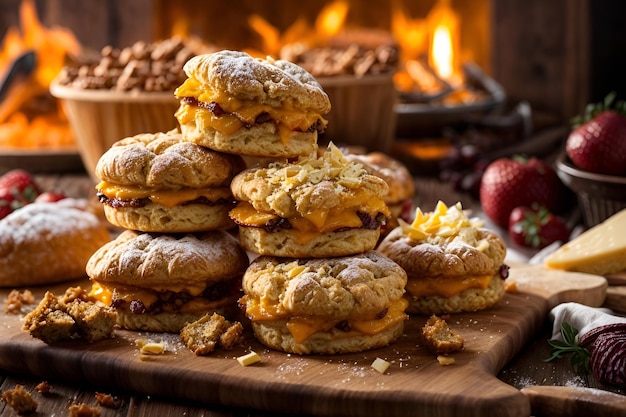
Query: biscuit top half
445, 243
310, 185
164, 161
226, 75
395, 174
164, 262
344, 288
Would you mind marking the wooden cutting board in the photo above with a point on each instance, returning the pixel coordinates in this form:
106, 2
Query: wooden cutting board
415, 383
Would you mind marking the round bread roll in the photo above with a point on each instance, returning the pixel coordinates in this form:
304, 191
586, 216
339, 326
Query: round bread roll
156, 182
235, 103
315, 207
457, 267
44, 243
327, 306
160, 282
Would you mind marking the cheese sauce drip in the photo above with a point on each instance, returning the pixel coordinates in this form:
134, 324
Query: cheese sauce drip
445, 225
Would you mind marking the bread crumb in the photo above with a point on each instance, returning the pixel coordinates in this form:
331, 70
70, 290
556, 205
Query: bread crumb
83, 410
209, 332
16, 300
20, 400
43, 387
249, 358
439, 338
71, 316
106, 400
445, 360
381, 365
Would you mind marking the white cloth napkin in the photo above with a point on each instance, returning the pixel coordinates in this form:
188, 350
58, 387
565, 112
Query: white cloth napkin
581, 317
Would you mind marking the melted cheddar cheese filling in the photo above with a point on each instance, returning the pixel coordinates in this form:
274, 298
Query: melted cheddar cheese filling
301, 328
311, 224
445, 287
104, 293
167, 198
238, 112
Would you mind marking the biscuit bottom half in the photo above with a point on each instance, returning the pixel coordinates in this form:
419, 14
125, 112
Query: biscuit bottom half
263, 140
289, 242
471, 299
185, 218
275, 335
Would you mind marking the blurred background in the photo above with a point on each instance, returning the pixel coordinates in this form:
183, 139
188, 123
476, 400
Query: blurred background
536, 63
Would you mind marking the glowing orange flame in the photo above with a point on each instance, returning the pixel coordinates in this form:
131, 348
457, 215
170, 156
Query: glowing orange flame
51, 46
429, 48
329, 22
331, 19
444, 44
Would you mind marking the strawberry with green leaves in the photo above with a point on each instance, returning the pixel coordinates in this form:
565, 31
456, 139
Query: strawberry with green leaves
598, 142
536, 227
511, 182
17, 189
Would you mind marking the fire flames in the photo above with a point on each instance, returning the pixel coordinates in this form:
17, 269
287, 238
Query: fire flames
430, 47
329, 22
22, 123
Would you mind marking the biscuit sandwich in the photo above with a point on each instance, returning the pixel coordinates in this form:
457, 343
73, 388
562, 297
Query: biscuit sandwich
399, 199
238, 104
325, 306
313, 208
161, 282
156, 182
453, 264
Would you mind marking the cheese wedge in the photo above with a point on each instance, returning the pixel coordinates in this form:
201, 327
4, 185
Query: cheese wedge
600, 250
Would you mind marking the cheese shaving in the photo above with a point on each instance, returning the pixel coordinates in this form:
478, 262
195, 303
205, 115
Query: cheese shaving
331, 166
249, 359
381, 365
445, 224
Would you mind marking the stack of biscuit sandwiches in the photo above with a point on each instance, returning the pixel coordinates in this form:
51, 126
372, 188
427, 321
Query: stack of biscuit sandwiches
243, 179
175, 260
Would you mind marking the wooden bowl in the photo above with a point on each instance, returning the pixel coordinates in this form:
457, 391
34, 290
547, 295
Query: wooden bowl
362, 111
600, 196
100, 118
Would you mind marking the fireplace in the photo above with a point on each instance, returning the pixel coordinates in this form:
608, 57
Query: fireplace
555, 55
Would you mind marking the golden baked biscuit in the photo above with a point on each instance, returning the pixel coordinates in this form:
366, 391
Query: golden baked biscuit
160, 282
332, 305
452, 263
235, 103
156, 182
44, 243
315, 207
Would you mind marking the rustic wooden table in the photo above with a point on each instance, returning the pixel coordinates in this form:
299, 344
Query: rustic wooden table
527, 369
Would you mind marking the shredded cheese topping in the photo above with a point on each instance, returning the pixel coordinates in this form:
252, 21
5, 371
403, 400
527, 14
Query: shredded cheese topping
445, 224
331, 166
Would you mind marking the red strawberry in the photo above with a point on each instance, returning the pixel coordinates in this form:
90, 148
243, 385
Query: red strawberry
599, 145
511, 182
17, 189
6, 201
536, 227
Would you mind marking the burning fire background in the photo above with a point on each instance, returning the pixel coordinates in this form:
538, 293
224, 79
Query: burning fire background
555, 55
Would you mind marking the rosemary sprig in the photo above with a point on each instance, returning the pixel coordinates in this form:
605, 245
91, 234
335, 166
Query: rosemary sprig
569, 345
